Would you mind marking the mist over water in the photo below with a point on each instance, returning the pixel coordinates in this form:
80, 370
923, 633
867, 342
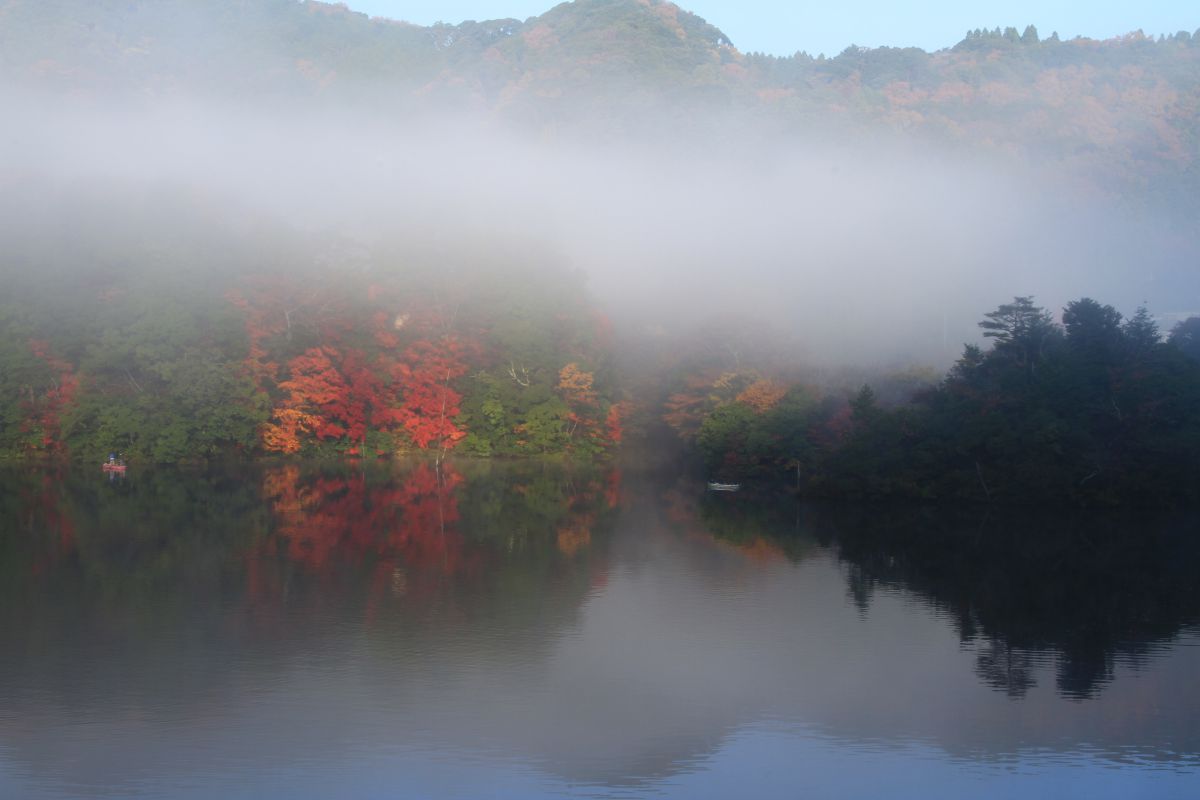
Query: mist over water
873, 250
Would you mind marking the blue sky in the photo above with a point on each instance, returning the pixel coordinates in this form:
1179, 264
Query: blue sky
782, 28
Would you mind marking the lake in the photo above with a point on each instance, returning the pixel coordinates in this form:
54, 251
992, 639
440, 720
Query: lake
492, 630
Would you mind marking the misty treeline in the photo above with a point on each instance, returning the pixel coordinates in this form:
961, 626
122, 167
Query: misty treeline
159, 328
137, 334
1095, 409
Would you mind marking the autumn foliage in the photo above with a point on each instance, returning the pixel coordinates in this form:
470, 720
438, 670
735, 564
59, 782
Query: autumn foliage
409, 521
44, 408
762, 395
410, 528
576, 386
318, 357
428, 403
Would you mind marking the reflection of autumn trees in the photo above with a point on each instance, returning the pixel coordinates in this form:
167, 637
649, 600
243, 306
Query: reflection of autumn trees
762, 529
444, 520
411, 530
293, 537
170, 567
576, 535
39, 507
349, 517
96, 560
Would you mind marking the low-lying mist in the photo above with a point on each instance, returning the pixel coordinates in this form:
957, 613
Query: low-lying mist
871, 251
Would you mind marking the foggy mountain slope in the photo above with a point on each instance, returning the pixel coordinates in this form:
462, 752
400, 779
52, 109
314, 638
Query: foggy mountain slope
632, 138
312, 46
1126, 109
1121, 116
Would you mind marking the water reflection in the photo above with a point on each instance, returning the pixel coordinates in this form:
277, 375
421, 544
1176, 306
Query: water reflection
165, 595
1081, 590
558, 630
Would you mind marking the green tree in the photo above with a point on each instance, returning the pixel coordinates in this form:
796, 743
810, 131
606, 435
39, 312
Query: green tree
724, 436
1091, 327
1186, 336
1023, 332
864, 409
1141, 333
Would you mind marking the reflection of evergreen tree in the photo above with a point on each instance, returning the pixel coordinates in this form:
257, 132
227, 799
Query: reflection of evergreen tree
1002, 667
1083, 589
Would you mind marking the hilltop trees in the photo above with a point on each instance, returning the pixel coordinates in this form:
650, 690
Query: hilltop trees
1022, 332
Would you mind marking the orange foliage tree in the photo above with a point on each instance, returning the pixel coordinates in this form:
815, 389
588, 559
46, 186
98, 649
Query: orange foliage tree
331, 394
762, 395
577, 386
428, 405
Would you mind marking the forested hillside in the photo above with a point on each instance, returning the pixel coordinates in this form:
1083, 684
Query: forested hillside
188, 337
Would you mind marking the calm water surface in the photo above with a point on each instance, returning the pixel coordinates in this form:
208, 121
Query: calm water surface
544, 631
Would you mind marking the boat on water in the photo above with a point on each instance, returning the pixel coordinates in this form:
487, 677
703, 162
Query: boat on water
109, 466
713, 486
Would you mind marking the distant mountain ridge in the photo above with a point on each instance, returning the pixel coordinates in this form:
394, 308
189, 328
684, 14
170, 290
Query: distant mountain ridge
96, 42
1124, 113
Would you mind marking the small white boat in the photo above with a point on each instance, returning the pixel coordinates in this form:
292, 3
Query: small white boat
723, 487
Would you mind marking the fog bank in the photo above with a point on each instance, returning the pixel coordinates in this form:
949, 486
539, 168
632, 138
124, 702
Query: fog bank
867, 251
